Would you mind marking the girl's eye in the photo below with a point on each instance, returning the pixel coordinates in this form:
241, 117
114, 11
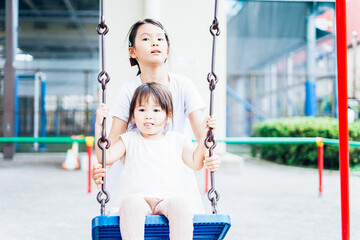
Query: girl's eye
146, 39
141, 110
157, 110
160, 39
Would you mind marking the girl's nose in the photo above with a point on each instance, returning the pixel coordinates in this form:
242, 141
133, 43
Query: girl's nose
155, 44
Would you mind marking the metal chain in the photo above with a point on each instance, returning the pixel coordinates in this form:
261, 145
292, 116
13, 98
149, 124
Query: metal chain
213, 195
103, 78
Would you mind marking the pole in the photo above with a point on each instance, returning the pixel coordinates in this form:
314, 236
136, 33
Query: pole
36, 109
11, 26
86, 93
320, 146
343, 118
43, 110
89, 146
310, 85
206, 180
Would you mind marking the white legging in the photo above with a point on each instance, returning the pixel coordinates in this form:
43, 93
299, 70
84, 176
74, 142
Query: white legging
134, 208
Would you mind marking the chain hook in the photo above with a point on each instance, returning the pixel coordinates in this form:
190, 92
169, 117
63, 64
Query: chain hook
103, 77
215, 26
102, 28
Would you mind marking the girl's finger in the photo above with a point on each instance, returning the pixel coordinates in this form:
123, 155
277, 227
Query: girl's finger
98, 176
94, 172
97, 165
100, 170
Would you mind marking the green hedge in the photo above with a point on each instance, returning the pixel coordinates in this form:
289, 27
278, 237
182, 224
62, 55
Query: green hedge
303, 154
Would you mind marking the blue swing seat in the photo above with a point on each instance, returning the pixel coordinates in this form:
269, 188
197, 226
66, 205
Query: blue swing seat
207, 227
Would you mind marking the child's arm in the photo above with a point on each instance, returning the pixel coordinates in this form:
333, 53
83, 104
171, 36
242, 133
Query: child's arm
195, 158
114, 153
118, 127
116, 150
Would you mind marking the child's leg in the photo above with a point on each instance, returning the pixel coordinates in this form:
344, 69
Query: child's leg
133, 211
180, 217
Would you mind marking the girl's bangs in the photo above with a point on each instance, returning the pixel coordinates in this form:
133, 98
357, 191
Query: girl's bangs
144, 97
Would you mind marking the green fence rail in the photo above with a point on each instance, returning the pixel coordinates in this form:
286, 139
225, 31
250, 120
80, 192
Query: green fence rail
45, 139
284, 140
229, 140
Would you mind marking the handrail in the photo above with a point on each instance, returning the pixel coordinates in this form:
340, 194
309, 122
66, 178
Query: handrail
228, 140
267, 140
45, 139
284, 140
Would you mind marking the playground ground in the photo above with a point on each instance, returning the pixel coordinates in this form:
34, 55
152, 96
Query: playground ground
266, 201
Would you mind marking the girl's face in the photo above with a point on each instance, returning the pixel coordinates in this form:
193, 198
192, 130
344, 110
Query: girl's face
150, 45
150, 118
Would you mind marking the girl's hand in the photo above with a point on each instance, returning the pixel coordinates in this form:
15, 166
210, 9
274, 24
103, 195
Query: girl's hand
101, 113
97, 173
211, 163
209, 122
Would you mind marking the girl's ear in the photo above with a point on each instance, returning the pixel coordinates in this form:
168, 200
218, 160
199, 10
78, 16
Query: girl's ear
132, 52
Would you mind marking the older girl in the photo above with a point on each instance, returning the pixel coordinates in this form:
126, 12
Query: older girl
149, 49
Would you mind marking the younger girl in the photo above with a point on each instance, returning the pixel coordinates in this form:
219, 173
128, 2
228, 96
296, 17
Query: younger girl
151, 181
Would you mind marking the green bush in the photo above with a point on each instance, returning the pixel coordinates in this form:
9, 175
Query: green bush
304, 154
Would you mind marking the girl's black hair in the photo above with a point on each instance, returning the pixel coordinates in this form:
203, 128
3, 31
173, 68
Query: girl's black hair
133, 31
159, 92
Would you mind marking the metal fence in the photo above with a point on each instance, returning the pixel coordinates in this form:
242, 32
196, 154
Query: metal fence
70, 101
58, 123
255, 96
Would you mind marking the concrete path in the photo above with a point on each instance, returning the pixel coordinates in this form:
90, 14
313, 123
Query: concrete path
266, 201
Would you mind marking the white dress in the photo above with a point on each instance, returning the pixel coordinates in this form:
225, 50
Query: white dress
186, 99
154, 168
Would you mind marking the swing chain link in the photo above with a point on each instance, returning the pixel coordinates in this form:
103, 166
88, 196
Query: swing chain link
214, 197
210, 138
102, 28
212, 79
215, 26
103, 78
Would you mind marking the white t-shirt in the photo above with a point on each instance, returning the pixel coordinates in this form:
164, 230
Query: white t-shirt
185, 97
154, 168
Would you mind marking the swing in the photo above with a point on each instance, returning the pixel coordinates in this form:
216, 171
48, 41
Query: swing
209, 227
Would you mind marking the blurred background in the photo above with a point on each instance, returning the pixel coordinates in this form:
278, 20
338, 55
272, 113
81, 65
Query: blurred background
275, 60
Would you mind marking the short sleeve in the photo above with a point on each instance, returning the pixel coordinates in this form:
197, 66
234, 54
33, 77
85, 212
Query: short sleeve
126, 139
182, 140
120, 107
193, 100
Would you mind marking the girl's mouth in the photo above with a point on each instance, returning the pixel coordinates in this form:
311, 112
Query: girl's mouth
148, 124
